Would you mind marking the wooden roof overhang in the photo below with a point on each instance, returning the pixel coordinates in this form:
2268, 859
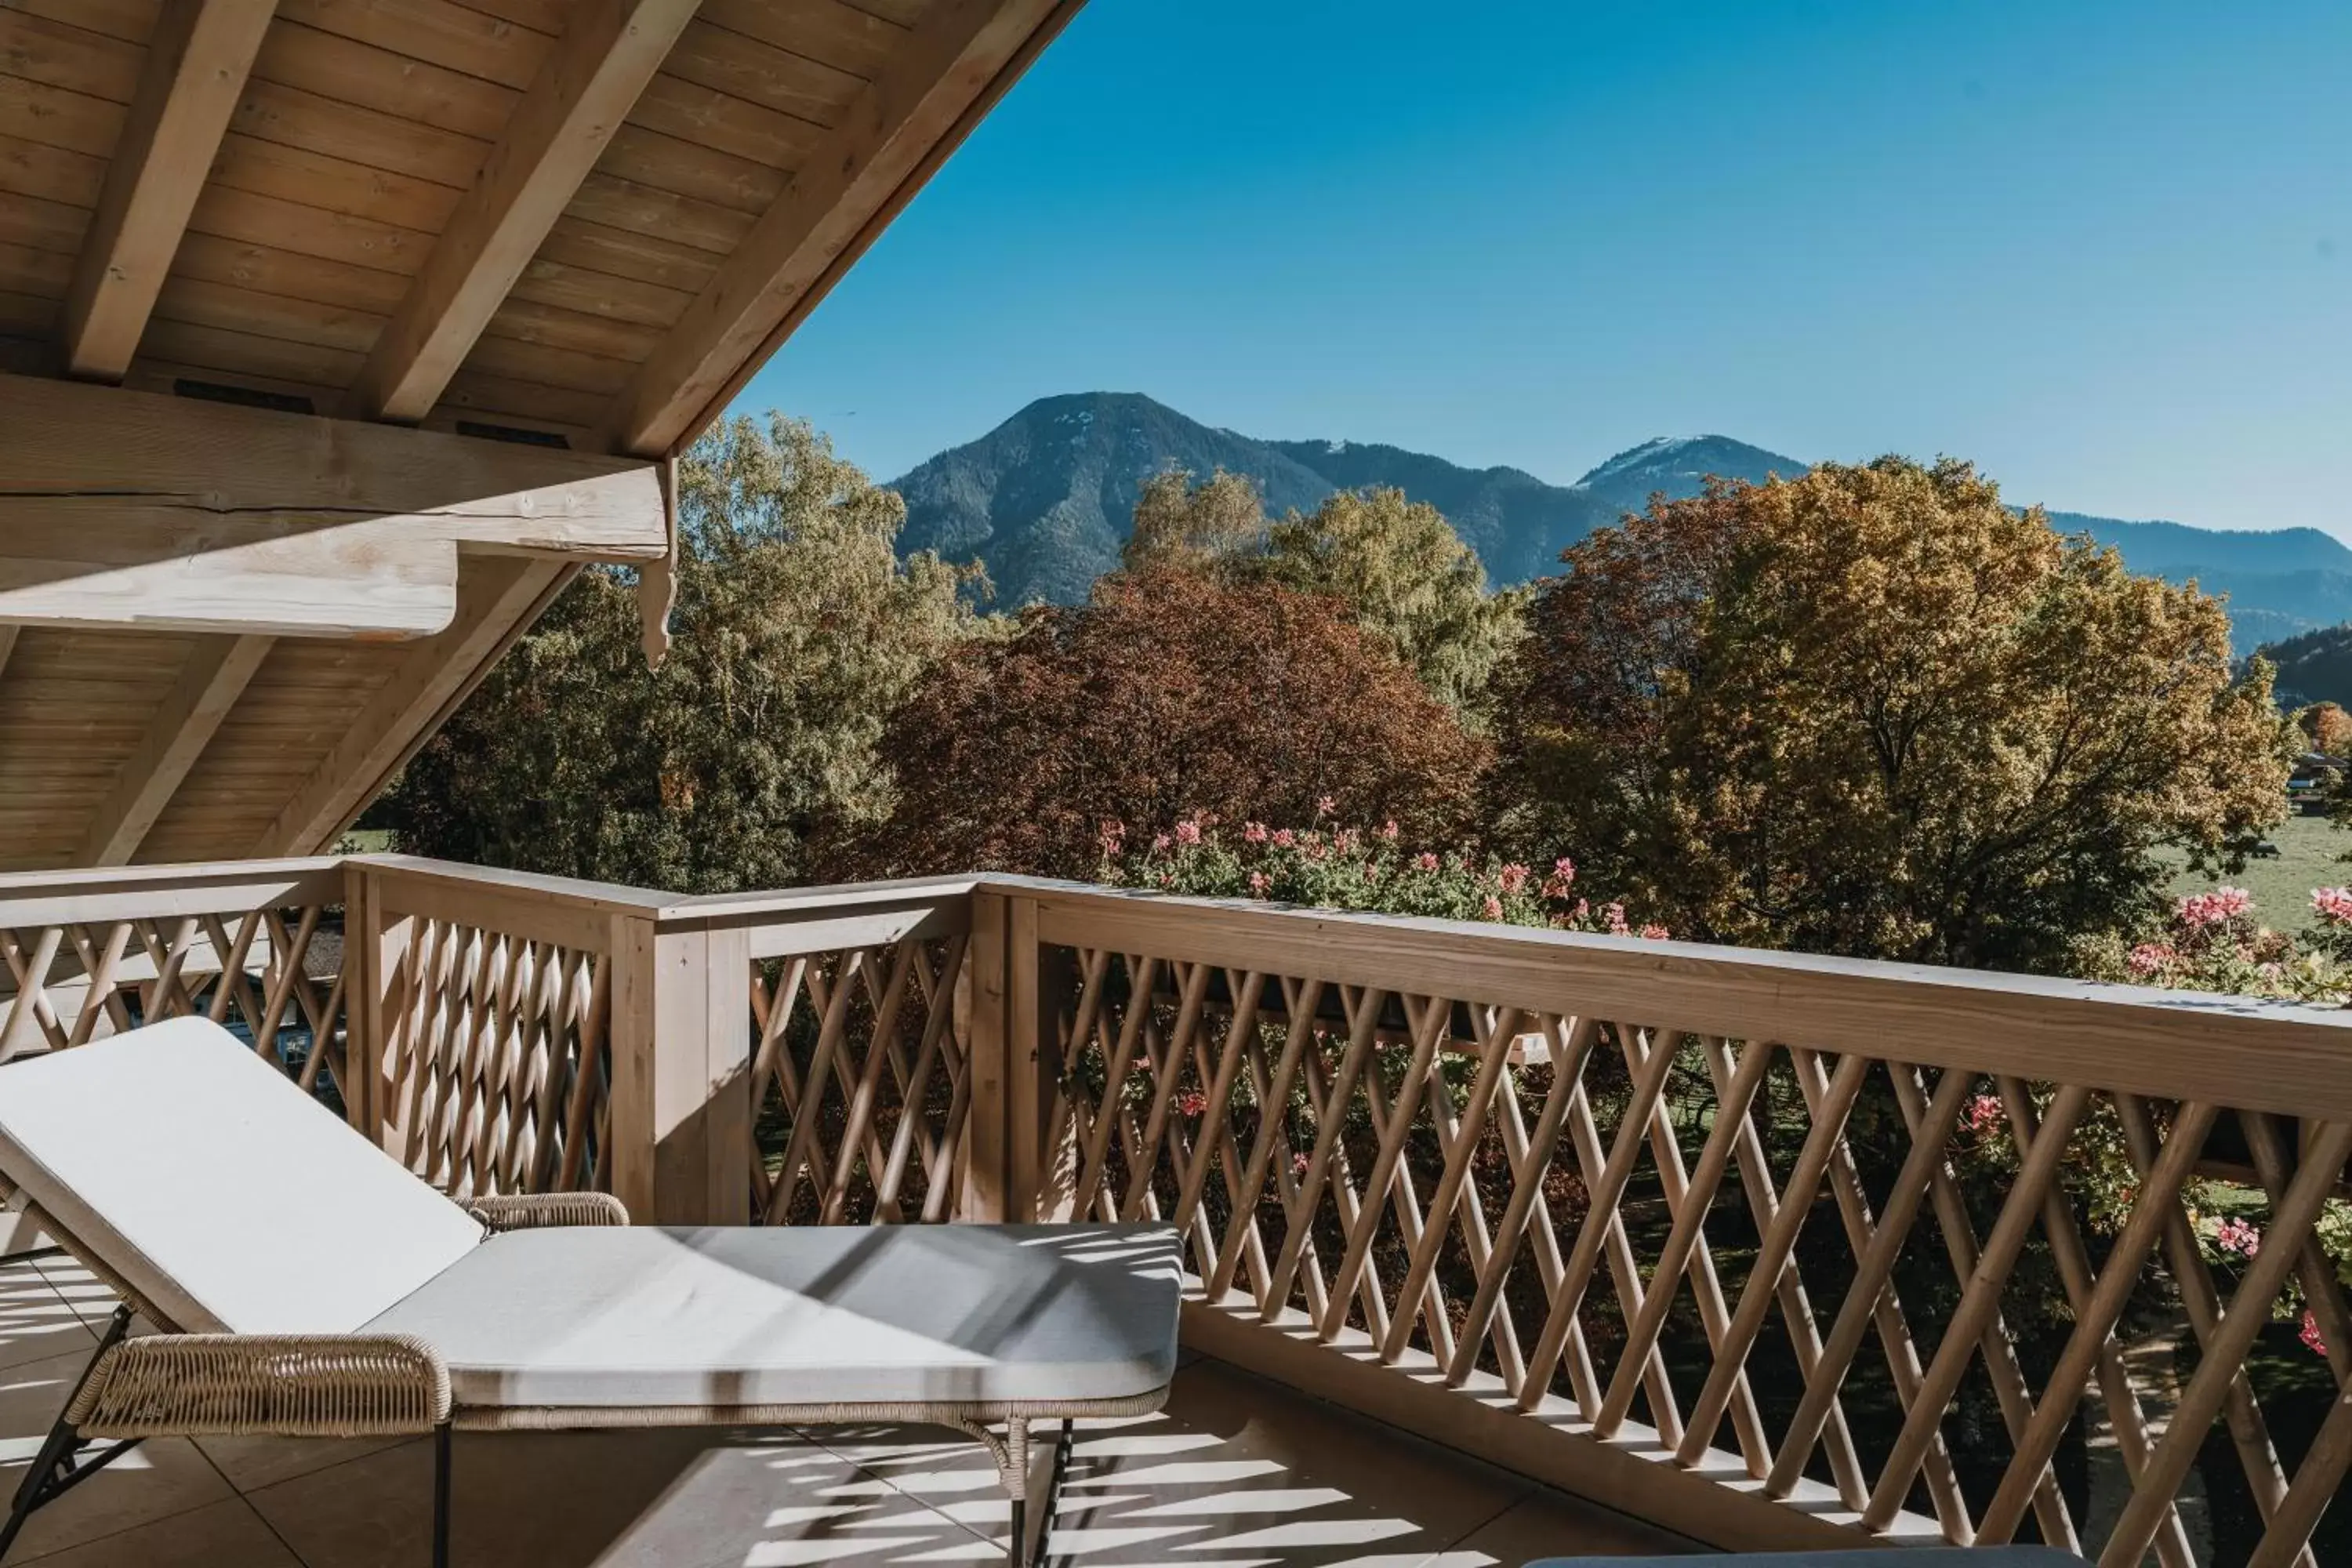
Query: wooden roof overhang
335, 335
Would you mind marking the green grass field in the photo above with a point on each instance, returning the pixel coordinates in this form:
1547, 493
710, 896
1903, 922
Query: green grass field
2309, 848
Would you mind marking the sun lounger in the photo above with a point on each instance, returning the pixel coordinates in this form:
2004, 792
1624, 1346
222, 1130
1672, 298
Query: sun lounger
305, 1284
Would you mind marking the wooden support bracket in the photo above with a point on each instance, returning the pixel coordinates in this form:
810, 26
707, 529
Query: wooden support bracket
121, 508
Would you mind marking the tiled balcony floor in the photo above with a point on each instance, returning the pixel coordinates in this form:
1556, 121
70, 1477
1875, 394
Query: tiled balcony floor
1236, 1473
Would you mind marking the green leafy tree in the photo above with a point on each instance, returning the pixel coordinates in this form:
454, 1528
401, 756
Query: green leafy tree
1874, 710
796, 630
1405, 575
1211, 526
1408, 580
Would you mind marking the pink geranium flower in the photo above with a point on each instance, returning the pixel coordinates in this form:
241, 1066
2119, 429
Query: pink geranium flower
1425, 861
2150, 959
1283, 839
2334, 904
1254, 832
1653, 933
1984, 1114
1188, 832
2199, 910
2310, 1335
2236, 1236
1512, 878
1325, 805
1493, 908
1258, 884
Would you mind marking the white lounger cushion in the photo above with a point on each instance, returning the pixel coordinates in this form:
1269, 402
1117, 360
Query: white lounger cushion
216, 1188
911, 1314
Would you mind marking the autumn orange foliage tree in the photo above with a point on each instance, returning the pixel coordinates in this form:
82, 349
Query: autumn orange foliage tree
1874, 710
1171, 694
2326, 727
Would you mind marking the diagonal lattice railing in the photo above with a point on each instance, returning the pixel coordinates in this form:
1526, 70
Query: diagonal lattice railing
862, 1084
1871, 1275
251, 947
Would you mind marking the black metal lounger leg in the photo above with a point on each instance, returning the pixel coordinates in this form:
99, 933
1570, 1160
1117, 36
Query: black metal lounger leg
1011, 1457
1061, 1463
441, 1496
53, 1471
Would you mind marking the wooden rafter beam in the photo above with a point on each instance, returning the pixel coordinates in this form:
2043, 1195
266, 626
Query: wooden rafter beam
609, 52
957, 57
128, 508
9, 631
197, 66
881, 219
497, 599
215, 676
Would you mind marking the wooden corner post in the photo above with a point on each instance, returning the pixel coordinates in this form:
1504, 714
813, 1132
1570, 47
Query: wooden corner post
681, 1093
376, 985
1005, 1010
981, 1004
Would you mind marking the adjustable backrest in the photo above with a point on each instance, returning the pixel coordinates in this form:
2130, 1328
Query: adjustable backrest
215, 1188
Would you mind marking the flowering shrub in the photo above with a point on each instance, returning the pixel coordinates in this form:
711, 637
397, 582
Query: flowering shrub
1337, 867
2215, 942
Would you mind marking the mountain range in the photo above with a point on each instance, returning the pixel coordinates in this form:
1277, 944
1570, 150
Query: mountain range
1045, 501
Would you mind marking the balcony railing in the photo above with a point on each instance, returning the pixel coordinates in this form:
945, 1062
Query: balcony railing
1720, 1237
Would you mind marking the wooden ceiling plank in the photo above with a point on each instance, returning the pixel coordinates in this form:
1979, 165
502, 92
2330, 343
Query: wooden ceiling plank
60, 55
8, 633
73, 120
215, 677
948, 64
584, 89
496, 597
195, 68
346, 71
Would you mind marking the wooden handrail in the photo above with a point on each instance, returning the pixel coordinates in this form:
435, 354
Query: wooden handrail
91, 896
2258, 1055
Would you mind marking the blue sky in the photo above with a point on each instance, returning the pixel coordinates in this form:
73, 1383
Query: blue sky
2102, 246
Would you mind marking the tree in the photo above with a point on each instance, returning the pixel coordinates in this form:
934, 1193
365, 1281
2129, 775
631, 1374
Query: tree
2326, 729
1168, 695
1204, 527
796, 630
1405, 575
1410, 583
1874, 710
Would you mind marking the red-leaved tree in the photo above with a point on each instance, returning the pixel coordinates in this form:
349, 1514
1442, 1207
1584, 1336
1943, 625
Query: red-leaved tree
1169, 695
